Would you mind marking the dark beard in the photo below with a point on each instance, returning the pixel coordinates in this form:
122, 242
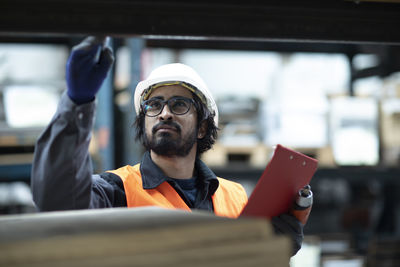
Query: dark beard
166, 145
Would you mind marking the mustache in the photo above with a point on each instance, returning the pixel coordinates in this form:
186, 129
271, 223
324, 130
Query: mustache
166, 123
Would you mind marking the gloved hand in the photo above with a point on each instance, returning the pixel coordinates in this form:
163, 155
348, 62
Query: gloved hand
87, 67
288, 224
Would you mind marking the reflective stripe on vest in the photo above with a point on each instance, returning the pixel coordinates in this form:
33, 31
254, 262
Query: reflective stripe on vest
228, 200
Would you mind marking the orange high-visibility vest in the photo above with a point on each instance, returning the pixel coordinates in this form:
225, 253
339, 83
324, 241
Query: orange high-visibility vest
228, 200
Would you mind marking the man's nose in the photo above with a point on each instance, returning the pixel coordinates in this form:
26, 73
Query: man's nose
166, 113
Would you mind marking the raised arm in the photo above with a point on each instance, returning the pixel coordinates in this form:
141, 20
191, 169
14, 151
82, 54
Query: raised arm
62, 171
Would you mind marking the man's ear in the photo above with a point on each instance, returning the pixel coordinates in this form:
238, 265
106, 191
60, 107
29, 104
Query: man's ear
202, 130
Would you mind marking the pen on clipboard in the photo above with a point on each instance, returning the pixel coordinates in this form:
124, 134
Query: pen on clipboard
303, 203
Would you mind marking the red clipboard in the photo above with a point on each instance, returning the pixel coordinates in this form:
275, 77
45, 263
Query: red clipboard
287, 172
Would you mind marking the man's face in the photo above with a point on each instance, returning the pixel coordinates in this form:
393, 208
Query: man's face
168, 134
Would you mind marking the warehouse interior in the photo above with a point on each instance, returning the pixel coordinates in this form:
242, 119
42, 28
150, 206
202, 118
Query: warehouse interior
323, 79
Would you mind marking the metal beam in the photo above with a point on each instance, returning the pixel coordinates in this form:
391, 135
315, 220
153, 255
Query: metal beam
282, 47
327, 21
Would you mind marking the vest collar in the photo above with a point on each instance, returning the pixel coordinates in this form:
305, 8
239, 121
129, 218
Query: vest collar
152, 176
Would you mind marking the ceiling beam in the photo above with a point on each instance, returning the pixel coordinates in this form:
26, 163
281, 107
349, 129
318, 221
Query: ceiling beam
285, 20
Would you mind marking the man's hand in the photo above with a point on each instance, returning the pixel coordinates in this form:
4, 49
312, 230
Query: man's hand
87, 67
287, 224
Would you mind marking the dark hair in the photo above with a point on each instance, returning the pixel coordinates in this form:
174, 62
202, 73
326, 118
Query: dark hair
203, 115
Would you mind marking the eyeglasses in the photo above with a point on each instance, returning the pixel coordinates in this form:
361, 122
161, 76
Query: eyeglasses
178, 105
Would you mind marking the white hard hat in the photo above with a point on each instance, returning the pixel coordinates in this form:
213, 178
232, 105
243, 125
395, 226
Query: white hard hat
176, 73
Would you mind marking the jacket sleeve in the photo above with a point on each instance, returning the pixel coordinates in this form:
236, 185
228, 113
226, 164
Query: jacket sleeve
61, 177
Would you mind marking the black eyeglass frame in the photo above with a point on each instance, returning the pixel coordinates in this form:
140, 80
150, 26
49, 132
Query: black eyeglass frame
168, 102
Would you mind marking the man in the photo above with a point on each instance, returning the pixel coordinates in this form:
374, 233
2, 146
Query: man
176, 122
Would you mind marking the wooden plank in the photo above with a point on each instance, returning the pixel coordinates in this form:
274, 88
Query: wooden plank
139, 237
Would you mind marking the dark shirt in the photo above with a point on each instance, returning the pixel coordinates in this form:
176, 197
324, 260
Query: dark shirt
188, 187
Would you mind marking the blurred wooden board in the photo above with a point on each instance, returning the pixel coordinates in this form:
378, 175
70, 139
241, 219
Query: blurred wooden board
138, 237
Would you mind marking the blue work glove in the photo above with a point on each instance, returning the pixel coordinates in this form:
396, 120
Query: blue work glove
87, 67
287, 224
